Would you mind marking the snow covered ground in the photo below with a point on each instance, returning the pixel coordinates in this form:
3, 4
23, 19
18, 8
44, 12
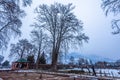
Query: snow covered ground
108, 72
102, 72
5, 68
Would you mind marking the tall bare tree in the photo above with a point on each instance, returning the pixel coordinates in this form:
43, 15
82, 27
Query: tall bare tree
1, 59
22, 49
62, 26
10, 19
113, 6
40, 40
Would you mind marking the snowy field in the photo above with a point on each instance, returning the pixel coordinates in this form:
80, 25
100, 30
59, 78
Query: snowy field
109, 72
100, 72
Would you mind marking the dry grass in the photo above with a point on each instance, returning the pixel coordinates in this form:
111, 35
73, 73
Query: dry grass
38, 76
30, 76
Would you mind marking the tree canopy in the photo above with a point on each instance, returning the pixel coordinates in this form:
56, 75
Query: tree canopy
10, 19
63, 28
113, 6
22, 49
40, 40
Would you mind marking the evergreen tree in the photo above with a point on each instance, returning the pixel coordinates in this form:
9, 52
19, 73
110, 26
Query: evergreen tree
6, 63
31, 59
42, 59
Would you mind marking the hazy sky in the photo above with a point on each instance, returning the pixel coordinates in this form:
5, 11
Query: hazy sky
96, 25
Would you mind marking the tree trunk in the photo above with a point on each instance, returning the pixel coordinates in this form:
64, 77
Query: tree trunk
55, 52
37, 62
54, 61
38, 57
94, 72
88, 69
22, 51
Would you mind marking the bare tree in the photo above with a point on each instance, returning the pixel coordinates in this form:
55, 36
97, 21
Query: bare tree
62, 26
24, 2
72, 60
1, 58
81, 63
40, 41
112, 6
22, 49
10, 19
93, 68
84, 63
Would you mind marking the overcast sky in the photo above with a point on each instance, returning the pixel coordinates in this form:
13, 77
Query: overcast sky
96, 25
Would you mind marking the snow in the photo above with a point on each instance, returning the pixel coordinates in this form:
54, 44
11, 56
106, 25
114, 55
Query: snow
108, 72
5, 68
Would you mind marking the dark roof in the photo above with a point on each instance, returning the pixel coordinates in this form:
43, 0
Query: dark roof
21, 60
